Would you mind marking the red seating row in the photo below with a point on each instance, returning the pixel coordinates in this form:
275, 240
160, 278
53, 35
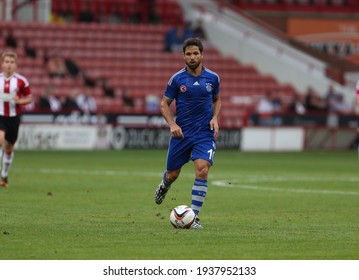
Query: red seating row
166, 11
138, 65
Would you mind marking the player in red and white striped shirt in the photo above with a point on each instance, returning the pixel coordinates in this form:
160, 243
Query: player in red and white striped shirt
14, 92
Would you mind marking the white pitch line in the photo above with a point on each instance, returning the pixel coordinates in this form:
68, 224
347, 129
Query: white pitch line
98, 172
225, 184
242, 178
220, 183
266, 179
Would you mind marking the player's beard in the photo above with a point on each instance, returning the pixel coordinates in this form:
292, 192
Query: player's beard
193, 67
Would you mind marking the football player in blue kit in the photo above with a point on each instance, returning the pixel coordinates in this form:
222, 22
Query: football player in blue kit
194, 132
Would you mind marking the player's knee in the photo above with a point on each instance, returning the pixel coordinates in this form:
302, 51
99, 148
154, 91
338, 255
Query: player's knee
9, 149
202, 172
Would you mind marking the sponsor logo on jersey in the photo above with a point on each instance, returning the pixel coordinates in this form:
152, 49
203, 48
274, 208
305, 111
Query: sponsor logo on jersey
209, 87
196, 83
183, 88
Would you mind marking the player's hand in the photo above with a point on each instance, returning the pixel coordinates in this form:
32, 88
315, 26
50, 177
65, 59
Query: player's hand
214, 126
7, 97
17, 99
176, 131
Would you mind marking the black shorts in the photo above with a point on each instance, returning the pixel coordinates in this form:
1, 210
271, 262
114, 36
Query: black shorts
11, 127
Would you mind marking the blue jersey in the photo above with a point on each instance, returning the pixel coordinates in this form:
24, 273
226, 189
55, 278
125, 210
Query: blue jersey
194, 99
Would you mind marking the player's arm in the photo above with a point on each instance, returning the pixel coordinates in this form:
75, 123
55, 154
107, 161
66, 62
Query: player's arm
216, 111
175, 130
23, 100
24, 96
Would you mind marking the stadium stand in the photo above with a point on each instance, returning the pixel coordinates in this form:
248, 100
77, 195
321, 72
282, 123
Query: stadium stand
131, 57
118, 53
276, 13
336, 6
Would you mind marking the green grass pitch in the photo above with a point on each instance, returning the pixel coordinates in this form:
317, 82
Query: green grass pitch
93, 205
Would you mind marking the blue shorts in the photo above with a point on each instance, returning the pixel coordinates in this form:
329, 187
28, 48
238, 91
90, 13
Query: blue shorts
181, 150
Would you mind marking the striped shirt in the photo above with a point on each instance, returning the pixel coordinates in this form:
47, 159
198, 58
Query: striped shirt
9, 88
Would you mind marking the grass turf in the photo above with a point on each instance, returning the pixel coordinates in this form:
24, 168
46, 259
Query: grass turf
78, 205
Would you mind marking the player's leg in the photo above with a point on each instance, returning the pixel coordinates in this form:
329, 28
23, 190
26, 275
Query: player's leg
2, 140
7, 159
178, 154
2, 137
2, 134
169, 176
203, 155
199, 189
8, 149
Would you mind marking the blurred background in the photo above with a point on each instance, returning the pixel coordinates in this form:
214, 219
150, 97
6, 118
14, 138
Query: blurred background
98, 69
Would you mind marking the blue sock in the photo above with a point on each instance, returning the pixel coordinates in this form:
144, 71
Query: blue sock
199, 192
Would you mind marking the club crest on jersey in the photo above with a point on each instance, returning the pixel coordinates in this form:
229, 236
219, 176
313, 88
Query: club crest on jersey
209, 87
183, 88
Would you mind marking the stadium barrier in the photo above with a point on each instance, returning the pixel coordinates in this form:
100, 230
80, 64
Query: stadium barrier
273, 139
63, 137
91, 137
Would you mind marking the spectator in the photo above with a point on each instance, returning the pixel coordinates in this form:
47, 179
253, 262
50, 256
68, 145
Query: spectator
114, 14
147, 11
86, 14
175, 37
56, 67
107, 89
29, 50
48, 101
297, 105
86, 101
127, 99
277, 101
70, 103
313, 102
88, 80
266, 111
153, 17
199, 31
10, 40
278, 107
72, 68
331, 98
341, 106
64, 13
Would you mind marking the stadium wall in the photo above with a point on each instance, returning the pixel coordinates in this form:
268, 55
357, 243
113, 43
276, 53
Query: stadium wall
91, 137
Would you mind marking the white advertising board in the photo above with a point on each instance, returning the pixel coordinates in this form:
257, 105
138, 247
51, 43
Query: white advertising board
63, 137
273, 139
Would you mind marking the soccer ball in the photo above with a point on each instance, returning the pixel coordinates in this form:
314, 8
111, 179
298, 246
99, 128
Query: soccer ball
182, 216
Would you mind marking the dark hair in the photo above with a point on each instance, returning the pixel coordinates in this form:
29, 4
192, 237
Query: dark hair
193, 42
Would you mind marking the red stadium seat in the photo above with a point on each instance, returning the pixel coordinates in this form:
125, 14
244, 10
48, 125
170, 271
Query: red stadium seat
117, 52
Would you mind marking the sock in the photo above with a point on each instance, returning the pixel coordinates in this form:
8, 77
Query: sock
167, 184
6, 163
199, 192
